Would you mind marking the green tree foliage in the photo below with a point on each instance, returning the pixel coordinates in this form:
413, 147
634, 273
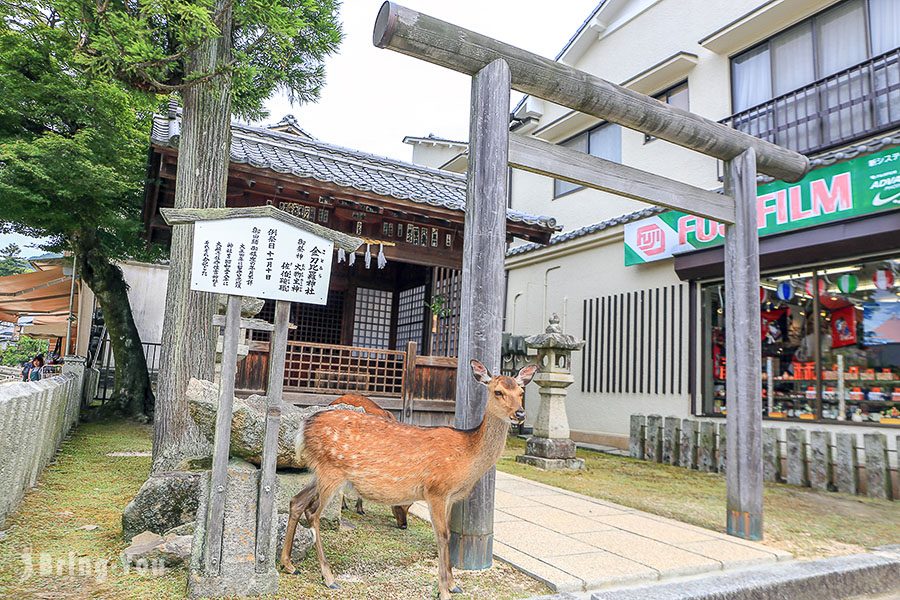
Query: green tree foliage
25, 349
11, 263
148, 44
72, 169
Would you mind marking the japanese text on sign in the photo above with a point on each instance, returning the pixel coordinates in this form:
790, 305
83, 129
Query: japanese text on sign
261, 257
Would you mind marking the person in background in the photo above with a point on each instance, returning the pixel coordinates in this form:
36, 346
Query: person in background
37, 365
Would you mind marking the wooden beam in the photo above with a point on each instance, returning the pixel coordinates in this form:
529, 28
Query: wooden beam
744, 466
267, 478
215, 514
538, 156
418, 35
481, 307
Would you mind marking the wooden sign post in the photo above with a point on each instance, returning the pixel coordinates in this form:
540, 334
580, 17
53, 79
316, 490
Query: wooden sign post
496, 67
261, 253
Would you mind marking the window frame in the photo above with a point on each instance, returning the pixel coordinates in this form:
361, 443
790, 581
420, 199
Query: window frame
587, 134
817, 75
663, 97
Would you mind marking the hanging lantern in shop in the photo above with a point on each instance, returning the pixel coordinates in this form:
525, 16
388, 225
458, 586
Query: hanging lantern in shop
847, 283
763, 294
884, 279
785, 291
809, 287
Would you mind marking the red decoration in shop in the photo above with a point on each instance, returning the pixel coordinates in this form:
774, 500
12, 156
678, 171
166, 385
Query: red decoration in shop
809, 287
773, 325
763, 294
883, 279
843, 327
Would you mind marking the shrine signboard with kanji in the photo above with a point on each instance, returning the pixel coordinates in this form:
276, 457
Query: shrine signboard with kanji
261, 257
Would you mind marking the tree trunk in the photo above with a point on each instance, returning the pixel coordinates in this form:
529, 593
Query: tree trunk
188, 342
133, 395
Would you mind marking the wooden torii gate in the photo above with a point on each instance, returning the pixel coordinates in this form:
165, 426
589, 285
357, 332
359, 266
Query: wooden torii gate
496, 68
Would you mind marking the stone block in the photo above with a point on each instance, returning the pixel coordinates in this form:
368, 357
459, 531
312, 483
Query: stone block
771, 455
878, 477
653, 445
550, 448
687, 453
721, 448
796, 457
671, 441
237, 573
636, 436
551, 464
164, 501
846, 473
820, 460
706, 447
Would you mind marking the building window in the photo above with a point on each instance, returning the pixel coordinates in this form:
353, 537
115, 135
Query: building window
603, 141
830, 344
827, 80
676, 96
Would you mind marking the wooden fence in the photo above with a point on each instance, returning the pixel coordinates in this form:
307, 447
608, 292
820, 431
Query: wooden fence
417, 389
820, 459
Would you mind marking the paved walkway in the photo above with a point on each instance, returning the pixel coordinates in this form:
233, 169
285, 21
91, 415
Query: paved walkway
575, 543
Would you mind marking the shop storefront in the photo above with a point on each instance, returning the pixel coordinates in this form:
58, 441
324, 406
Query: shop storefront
829, 293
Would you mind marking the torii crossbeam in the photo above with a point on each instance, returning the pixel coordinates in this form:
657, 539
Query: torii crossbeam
496, 68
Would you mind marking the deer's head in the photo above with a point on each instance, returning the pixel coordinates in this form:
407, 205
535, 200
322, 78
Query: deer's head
506, 395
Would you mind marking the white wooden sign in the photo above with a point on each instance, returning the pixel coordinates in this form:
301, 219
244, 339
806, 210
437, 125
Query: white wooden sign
261, 257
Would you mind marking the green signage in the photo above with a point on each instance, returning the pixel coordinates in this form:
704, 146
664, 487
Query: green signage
864, 185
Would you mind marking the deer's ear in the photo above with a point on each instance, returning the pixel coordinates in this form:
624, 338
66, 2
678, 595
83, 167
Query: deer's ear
526, 374
480, 372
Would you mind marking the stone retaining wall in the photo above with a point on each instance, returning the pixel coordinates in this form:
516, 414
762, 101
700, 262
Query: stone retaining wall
34, 419
822, 459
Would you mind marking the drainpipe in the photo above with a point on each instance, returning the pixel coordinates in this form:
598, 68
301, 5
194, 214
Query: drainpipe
545, 318
515, 305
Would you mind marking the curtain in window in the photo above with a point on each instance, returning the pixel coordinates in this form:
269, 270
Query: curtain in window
884, 25
606, 142
751, 75
793, 65
841, 41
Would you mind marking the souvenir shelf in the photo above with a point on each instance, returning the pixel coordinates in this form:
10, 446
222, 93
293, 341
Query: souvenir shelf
858, 395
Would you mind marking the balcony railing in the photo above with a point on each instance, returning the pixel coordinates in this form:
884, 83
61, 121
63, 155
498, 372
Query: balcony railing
859, 101
329, 369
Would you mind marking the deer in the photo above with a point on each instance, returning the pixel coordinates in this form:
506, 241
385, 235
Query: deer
396, 463
371, 407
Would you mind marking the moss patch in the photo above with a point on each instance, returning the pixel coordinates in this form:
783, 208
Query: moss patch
799, 520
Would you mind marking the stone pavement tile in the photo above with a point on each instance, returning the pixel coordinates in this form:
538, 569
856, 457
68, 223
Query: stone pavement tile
556, 519
536, 540
503, 499
502, 517
666, 559
731, 554
779, 554
599, 569
579, 506
556, 579
505, 479
520, 487
656, 530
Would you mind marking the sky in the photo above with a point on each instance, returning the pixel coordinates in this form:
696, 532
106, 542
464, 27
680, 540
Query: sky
372, 98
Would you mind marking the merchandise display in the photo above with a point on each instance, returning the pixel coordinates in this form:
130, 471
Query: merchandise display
832, 356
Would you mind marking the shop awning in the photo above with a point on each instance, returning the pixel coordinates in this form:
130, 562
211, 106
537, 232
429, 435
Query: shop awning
43, 295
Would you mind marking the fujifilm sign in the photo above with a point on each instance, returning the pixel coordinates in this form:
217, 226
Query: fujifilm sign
857, 187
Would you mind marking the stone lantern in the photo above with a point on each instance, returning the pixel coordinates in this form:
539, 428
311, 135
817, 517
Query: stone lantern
550, 447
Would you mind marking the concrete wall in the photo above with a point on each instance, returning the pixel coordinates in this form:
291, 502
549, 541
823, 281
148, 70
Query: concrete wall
558, 279
34, 419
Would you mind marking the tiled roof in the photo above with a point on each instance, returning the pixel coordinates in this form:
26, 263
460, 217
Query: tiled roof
567, 236
313, 159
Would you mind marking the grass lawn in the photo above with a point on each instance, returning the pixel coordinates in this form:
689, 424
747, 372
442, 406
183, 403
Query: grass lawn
801, 521
86, 488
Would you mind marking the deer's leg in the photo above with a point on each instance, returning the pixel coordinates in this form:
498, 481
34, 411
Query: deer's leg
326, 490
299, 505
359, 507
439, 508
400, 513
